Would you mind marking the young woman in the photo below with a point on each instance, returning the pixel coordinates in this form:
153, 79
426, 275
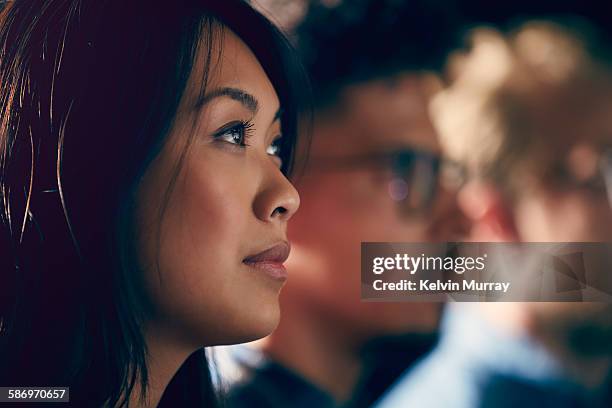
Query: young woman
143, 193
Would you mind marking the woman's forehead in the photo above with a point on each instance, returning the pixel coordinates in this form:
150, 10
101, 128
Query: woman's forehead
227, 62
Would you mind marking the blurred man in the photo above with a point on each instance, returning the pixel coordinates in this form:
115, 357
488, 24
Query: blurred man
372, 174
529, 114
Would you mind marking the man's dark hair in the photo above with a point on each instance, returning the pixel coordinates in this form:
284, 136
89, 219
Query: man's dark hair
360, 40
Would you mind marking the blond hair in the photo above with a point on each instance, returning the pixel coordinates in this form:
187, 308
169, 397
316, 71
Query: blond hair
490, 117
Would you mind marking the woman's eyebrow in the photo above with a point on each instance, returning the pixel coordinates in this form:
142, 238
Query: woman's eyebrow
245, 98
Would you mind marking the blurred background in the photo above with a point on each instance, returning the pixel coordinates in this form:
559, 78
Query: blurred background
439, 121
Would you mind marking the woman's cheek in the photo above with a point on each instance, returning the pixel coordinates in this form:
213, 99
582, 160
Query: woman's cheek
199, 247
210, 215
210, 286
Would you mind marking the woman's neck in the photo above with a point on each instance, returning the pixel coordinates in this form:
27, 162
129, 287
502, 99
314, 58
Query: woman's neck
325, 358
164, 358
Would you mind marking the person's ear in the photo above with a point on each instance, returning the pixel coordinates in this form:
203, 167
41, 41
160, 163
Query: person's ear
489, 211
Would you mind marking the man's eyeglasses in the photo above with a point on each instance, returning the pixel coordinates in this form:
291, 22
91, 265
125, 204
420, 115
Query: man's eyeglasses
416, 175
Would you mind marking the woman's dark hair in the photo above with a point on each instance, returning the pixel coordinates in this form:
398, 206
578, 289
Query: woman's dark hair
89, 91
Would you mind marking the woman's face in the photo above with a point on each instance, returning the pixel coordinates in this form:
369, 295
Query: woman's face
228, 202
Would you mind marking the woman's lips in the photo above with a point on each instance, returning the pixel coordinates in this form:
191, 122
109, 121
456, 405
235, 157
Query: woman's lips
270, 261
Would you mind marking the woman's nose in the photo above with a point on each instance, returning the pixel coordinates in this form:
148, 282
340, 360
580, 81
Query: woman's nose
277, 199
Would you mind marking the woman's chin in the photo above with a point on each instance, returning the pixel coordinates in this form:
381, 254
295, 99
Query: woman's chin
262, 324
255, 324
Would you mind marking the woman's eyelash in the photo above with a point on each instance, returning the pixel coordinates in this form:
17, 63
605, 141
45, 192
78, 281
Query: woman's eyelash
236, 133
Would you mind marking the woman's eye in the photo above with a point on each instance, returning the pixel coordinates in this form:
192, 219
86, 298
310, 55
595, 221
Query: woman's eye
234, 136
274, 148
235, 133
